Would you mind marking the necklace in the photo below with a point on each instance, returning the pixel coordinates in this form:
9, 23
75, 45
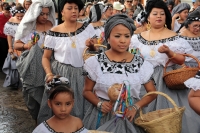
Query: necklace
73, 44
152, 52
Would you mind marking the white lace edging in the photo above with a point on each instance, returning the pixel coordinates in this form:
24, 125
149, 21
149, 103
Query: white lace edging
146, 72
193, 83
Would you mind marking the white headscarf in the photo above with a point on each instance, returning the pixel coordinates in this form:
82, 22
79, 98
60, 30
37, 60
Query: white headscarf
29, 20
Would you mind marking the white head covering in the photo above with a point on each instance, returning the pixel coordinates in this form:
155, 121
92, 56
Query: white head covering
29, 20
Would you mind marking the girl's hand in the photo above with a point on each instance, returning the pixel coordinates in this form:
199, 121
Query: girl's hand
10, 50
49, 78
106, 107
175, 16
164, 49
130, 114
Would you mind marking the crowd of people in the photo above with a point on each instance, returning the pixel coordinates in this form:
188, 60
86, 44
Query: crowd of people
43, 48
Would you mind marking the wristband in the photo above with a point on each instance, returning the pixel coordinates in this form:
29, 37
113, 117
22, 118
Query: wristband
136, 107
99, 104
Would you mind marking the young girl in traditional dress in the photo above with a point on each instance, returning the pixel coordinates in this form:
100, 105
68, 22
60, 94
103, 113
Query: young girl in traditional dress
116, 65
61, 101
12, 76
66, 42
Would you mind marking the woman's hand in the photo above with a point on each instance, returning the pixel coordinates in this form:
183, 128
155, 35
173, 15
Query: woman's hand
10, 50
130, 114
164, 49
106, 107
90, 42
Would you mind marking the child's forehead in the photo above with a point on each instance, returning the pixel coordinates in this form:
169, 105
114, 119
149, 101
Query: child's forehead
66, 95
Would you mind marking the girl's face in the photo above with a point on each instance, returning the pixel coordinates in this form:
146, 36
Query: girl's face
61, 105
109, 12
184, 14
19, 16
120, 38
27, 4
70, 11
157, 18
194, 27
43, 17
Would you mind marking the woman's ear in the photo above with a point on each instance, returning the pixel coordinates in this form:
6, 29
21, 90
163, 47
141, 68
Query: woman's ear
49, 103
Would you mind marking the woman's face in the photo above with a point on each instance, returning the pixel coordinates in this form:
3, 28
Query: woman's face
109, 12
81, 13
194, 27
19, 16
184, 14
157, 18
120, 38
88, 9
27, 4
43, 17
70, 11
128, 3
130, 14
116, 12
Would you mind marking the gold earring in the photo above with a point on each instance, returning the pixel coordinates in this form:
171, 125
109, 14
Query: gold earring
63, 19
148, 25
165, 26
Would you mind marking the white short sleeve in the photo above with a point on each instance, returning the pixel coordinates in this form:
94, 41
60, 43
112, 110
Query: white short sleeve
91, 31
194, 82
49, 42
90, 66
146, 72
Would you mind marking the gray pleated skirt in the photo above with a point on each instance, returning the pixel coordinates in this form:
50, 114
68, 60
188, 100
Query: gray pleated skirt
190, 121
108, 122
76, 78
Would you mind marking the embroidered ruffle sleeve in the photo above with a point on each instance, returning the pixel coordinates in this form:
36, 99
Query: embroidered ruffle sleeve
193, 83
10, 28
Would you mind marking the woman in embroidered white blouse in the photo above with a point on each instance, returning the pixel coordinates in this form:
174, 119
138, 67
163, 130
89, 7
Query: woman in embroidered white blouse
157, 46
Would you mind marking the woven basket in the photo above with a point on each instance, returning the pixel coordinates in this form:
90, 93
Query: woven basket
86, 53
162, 121
175, 79
95, 131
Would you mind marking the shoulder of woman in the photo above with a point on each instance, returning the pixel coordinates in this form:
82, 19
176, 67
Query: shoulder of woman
12, 19
170, 33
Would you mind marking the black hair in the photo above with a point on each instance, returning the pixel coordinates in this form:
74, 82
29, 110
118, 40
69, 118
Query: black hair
7, 8
61, 4
60, 89
159, 4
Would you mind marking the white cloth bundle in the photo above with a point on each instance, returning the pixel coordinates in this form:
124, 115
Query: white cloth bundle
29, 20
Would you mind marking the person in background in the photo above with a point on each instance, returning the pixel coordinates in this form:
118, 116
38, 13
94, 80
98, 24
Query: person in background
181, 12
130, 12
107, 12
87, 11
170, 5
4, 17
12, 4
29, 64
140, 20
128, 4
196, 4
12, 76
26, 4
194, 95
117, 8
2, 5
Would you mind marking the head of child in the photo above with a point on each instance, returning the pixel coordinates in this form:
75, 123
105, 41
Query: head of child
61, 101
6, 11
119, 29
18, 12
